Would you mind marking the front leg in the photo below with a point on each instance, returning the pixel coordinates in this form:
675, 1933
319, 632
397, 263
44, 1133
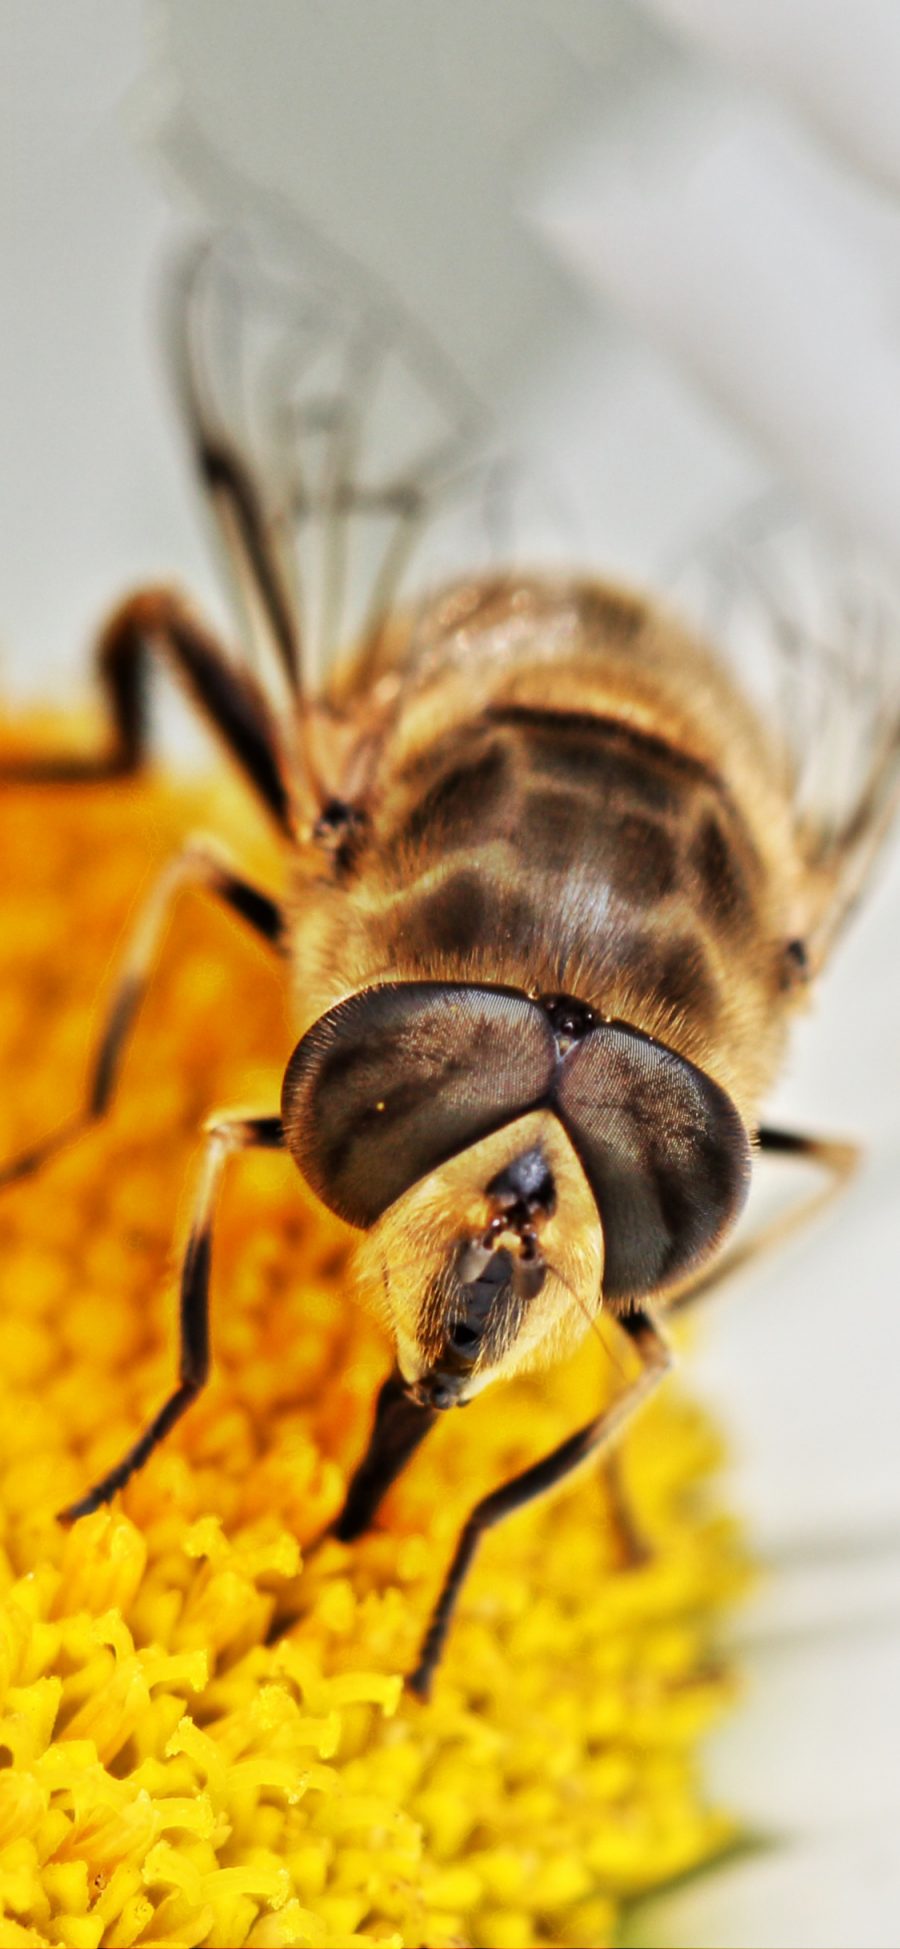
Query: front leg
224, 1136
401, 1424
539, 1480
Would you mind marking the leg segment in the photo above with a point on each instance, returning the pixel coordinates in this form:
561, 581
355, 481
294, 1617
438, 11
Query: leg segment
158, 622
838, 1158
202, 863
538, 1480
632, 1548
223, 1137
400, 1426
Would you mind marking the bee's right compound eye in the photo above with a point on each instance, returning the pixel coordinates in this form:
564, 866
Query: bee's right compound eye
664, 1151
395, 1080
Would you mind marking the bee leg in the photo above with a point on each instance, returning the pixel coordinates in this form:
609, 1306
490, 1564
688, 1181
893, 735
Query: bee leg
201, 863
538, 1480
632, 1546
158, 621
400, 1425
223, 1137
837, 1157
839, 1160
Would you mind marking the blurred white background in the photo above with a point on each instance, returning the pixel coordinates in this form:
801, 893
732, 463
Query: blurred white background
663, 241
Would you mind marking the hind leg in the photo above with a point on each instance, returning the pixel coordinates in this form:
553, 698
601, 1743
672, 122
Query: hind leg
159, 623
837, 1158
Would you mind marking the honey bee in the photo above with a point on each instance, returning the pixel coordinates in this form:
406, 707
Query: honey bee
551, 901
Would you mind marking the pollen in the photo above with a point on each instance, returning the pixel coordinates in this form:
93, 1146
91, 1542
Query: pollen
170, 1771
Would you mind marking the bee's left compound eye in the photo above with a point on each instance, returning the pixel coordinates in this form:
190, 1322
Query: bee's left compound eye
395, 1080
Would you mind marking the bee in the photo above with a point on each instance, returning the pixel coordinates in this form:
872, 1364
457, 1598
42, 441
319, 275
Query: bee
552, 894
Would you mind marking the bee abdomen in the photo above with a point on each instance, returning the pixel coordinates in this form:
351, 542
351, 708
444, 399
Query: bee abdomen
549, 848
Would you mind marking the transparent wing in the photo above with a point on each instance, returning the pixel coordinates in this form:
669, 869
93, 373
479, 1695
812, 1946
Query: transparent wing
329, 431
812, 630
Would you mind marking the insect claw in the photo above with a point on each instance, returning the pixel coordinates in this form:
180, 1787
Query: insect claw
29, 1161
419, 1682
85, 1506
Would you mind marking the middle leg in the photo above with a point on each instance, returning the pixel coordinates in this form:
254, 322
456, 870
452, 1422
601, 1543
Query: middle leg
201, 863
224, 1136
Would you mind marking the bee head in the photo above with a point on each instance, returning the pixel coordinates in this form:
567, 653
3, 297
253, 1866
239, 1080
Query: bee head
510, 1160
489, 1265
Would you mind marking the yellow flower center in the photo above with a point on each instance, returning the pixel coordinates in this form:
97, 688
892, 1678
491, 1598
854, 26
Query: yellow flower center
165, 1775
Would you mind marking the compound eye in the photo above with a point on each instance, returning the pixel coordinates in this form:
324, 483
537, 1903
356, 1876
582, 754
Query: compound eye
664, 1150
395, 1080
